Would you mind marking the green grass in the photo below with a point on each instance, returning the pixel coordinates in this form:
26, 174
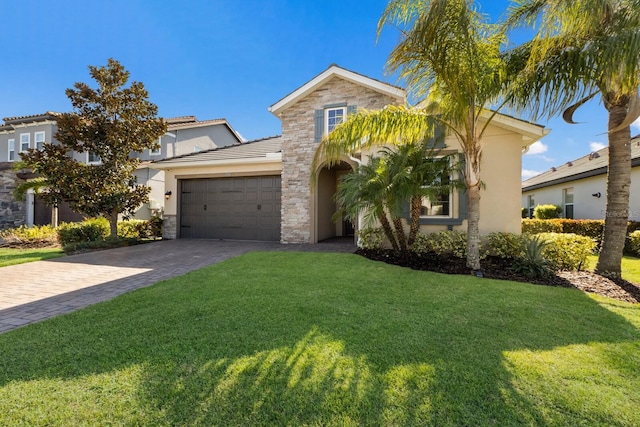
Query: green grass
10, 256
630, 267
328, 339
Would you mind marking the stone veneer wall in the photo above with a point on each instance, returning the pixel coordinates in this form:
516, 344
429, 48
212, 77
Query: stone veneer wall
298, 148
13, 213
169, 227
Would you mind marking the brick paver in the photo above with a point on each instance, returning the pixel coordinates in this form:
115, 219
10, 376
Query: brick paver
39, 290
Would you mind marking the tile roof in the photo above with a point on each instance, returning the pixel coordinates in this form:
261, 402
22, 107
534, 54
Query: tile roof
31, 118
590, 165
246, 150
173, 125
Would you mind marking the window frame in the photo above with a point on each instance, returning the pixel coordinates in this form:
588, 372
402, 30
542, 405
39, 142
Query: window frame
565, 204
451, 195
11, 149
93, 162
28, 142
35, 139
531, 204
327, 110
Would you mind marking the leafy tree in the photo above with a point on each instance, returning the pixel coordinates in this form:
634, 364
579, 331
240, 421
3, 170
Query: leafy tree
583, 49
110, 122
450, 58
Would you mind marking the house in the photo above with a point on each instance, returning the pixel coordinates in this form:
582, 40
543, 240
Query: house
17, 134
580, 186
261, 190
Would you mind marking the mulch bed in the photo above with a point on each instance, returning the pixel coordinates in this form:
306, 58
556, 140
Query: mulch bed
498, 268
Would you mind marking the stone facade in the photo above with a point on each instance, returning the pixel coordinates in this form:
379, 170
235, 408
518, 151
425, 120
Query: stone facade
12, 212
169, 227
298, 148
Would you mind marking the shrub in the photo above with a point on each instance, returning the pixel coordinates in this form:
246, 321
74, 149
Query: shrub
634, 243
448, 243
107, 243
90, 230
35, 236
532, 262
535, 226
421, 244
566, 251
370, 238
135, 229
505, 245
547, 211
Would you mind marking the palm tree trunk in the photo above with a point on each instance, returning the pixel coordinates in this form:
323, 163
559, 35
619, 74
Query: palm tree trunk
416, 207
402, 241
473, 230
388, 231
618, 182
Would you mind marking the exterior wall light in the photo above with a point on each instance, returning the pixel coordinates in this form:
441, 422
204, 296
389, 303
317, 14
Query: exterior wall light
167, 195
597, 194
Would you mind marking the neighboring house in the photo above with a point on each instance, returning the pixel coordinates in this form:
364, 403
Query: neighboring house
261, 190
17, 134
580, 186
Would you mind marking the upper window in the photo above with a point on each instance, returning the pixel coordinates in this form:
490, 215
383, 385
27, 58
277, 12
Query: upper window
38, 139
439, 204
93, 158
12, 150
25, 141
158, 150
567, 200
333, 117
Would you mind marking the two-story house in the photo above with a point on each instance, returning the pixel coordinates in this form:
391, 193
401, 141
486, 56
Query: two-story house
17, 134
261, 190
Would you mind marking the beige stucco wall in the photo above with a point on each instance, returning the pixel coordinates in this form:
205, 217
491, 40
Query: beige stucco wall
585, 205
298, 148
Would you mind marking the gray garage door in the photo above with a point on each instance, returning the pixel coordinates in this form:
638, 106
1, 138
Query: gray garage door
243, 208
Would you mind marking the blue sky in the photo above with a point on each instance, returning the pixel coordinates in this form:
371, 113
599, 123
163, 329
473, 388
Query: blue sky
221, 58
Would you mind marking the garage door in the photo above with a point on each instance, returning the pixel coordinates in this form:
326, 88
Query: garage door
242, 208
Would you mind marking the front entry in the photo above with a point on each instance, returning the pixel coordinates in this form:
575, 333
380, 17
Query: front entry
326, 226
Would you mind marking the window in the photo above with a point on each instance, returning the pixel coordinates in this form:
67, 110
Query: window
25, 141
334, 116
12, 150
531, 204
93, 158
567, 200
439, 204
156, 151
38, 139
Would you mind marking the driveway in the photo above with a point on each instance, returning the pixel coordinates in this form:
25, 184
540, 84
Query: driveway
39, 290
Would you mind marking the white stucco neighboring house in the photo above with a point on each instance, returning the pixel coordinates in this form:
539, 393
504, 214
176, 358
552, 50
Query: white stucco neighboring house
580, 186
261, 190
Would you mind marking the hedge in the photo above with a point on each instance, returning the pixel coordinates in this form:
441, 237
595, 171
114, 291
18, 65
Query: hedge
634, 243
584, 227
567, 251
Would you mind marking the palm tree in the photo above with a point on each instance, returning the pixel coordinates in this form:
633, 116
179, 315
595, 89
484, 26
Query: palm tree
586, 48
449, 57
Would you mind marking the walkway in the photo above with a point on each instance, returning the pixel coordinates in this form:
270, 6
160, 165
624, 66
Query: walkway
39, 290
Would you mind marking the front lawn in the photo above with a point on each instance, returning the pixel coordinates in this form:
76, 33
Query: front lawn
10, 256
328, 339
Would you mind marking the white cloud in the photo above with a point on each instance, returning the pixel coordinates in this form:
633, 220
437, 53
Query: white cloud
636, 124
527, 173
595, 146
537, 148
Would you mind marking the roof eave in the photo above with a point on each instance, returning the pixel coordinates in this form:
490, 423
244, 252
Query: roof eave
269, 158
323, 77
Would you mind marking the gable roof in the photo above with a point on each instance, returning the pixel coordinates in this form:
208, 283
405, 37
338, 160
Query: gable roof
592, 164
260, 150
333, 71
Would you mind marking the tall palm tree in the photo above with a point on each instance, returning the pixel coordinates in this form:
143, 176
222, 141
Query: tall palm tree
449, 57
583, 49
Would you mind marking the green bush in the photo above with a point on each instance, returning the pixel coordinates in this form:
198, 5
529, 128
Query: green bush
447, 243
584, 227
566, 251
136, 229
370, 238
535, 226
504, 245
421, 244
547, 211
90, 230
634, 243
35, 236
107, 243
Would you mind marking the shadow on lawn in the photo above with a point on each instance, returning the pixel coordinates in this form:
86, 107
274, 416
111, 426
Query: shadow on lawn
348, 353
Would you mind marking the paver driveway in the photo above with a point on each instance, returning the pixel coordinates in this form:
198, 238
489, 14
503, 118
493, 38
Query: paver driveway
39, 290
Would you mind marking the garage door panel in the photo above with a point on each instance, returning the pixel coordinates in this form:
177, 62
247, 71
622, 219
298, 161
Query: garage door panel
242, 208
